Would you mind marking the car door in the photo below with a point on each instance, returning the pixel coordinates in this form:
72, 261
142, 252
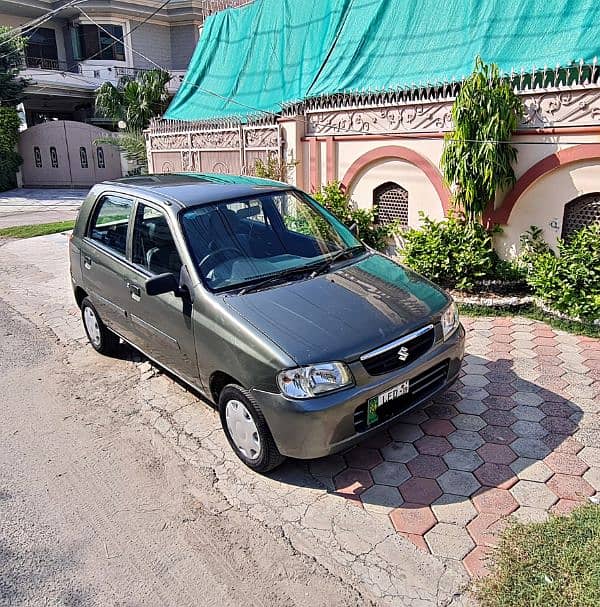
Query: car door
104, 259
162, 324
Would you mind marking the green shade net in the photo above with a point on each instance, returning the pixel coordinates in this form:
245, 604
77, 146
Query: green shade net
257, 58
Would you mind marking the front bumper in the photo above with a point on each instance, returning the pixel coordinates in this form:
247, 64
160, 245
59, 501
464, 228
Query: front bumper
316, 427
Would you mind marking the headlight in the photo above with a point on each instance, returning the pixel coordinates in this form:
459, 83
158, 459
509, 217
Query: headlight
314, 380
449, 320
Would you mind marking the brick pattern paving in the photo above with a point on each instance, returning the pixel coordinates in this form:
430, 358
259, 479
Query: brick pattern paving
517, 436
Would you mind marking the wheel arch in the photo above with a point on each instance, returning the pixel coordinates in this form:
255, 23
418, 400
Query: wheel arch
80, 295
218, 380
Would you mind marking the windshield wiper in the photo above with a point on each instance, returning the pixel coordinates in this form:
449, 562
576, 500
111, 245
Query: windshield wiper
314, 269
325, 265
274, 278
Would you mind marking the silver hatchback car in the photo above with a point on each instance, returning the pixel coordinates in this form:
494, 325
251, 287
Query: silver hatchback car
251, 292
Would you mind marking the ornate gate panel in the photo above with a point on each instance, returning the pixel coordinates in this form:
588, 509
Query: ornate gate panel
63, 153
222, 147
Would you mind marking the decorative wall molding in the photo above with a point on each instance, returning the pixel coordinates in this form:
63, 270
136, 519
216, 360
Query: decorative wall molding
559, 108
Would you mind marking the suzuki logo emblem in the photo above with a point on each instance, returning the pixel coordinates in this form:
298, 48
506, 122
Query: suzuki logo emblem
402, 354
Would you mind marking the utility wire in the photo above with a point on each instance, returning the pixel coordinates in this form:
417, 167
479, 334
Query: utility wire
304, 120
66, 71
36, 23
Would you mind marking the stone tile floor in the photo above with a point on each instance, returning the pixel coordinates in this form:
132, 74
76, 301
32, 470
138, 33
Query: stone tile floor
517, 436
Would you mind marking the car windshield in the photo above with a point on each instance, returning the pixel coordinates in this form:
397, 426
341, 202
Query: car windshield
239, 242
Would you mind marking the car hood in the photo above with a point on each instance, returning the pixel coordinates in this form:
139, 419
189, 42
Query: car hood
342, 314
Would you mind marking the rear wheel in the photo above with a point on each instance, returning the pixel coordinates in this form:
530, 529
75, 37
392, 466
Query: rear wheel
247, 430
102, 339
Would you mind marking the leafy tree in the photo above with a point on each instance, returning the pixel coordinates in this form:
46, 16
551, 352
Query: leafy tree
11, 94
477, 158
12, 48
135, 101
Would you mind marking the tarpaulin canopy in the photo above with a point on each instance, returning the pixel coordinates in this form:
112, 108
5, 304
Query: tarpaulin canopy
272, 52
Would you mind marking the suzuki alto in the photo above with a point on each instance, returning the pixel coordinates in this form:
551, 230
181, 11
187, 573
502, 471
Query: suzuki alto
255, 295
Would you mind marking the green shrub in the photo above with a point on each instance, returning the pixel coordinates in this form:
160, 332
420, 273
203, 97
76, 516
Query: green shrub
532, 245
9, 159
454, 252
550, 564
335, 200
570, 282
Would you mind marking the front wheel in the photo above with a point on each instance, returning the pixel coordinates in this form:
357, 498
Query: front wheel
101, 338
247, 430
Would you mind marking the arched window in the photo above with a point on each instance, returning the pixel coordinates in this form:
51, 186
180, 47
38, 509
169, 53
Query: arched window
579, 213
391, 203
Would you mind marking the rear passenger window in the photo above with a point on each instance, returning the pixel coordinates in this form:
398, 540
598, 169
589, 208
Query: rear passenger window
110, 222
153, 244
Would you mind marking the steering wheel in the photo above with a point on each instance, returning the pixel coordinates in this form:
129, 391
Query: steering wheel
210, 260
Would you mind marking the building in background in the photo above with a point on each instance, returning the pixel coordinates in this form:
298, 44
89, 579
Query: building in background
68, 57
72, 52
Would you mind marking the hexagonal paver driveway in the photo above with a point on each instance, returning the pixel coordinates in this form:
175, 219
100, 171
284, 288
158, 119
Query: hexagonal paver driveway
516, 436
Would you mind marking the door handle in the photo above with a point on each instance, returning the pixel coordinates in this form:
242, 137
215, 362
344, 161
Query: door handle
87, 262
135, 291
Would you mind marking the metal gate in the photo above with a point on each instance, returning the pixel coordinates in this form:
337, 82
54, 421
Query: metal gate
219, 147
63, 153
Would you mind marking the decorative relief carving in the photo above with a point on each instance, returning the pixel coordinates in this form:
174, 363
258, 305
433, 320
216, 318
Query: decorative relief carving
220, 167
188, 161
216, 139
425, 117
267, 137
565, 108
168, 142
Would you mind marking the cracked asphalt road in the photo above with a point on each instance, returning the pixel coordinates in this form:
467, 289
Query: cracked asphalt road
95, 510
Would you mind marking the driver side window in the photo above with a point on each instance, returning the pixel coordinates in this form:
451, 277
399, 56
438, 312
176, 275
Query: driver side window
153, 245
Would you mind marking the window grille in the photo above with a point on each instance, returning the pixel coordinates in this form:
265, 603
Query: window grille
100, 156
83, 157
579, 213
391, 203
37, 156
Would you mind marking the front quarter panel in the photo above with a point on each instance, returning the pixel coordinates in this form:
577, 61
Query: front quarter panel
226, 343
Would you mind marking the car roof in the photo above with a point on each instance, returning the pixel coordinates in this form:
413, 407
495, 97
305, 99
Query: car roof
190, 189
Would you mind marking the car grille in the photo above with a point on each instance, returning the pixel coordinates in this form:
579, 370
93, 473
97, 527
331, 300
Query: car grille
420, 387
388, 358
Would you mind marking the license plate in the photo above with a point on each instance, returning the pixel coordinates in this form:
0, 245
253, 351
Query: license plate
378, 401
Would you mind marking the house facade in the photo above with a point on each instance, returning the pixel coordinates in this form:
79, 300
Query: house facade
72, 51
69, 56
384, 145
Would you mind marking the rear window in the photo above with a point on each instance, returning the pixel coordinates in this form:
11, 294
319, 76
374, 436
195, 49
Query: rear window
110, 222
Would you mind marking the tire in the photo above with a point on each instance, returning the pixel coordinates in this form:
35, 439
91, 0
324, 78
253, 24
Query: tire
241, 418
102, 339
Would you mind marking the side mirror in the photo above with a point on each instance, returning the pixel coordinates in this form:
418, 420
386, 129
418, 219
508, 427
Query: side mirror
354, 229
163, 283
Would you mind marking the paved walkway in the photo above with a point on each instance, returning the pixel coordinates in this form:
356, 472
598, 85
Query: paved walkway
412, 511
28, 206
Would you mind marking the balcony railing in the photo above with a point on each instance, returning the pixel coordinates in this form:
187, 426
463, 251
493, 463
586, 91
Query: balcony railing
49, 64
